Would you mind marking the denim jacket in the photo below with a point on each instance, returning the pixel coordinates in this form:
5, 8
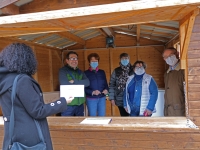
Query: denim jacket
145, 89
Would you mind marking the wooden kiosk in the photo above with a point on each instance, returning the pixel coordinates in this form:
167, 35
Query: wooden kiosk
141, 28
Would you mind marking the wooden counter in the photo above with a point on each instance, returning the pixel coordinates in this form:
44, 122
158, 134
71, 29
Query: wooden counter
122, 134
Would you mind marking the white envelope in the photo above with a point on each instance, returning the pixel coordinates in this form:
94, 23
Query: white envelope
72, 91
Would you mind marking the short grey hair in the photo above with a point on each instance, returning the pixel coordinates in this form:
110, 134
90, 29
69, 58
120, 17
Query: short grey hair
171, 49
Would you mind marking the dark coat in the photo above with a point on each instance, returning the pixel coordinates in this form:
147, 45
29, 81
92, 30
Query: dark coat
28, 105
97, 82
114, 93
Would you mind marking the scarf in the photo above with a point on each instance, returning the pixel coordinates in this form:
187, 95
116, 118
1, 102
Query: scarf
122, 78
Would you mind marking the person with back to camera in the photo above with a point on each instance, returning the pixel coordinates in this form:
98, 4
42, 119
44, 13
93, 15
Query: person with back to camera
15, 59
118, 81
141, 92
98, 89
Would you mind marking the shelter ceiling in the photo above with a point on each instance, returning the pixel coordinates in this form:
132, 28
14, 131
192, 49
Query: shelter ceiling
88, 20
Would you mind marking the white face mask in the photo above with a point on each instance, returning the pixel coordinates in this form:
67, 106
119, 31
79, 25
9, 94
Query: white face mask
172, 60
139, 71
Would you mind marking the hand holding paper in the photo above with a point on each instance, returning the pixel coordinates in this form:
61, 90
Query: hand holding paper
71, 91
69, 99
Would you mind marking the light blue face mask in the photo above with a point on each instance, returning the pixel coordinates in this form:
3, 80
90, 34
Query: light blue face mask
94, 64
124, 62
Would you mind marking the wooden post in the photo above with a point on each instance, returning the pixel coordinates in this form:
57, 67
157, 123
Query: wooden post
186, 27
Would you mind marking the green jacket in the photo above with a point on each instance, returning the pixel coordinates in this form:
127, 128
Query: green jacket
66, 74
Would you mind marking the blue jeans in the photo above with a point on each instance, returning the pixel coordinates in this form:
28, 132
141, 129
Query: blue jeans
96, 106
135, 110
77, 110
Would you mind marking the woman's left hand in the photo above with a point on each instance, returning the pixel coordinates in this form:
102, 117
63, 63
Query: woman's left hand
147, 112
105, 92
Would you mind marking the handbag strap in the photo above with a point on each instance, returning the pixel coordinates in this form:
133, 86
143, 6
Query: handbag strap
11, 125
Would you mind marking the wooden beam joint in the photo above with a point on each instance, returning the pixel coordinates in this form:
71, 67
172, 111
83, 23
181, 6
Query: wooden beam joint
5, 3
10, 10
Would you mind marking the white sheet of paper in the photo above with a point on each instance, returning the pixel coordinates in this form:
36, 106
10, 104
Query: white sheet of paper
72, 90
96, 121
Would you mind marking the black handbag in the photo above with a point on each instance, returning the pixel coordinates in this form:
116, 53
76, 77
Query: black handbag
17, 145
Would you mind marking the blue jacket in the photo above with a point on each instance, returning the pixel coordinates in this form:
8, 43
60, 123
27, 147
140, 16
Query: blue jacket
97, 82
134, 91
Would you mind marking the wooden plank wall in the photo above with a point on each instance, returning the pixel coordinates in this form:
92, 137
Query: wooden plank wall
194, 72
127, 140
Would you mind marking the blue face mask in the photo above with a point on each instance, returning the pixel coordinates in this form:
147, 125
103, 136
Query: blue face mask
94, 64
124, 62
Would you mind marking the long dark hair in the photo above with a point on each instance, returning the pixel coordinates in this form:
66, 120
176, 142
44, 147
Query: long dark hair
18, 57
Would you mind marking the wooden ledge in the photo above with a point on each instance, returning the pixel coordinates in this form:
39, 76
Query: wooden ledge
121, 124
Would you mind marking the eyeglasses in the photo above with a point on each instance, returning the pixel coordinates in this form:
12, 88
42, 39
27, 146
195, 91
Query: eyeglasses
73, 58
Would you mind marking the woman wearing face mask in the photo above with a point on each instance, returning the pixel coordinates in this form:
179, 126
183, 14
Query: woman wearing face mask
141, 92
98, 89
118, 81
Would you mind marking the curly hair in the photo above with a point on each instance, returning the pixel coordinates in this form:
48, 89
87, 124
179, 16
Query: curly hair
18, 57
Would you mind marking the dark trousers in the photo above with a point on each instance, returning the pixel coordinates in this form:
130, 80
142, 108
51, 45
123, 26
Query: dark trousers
77, 110
123, 111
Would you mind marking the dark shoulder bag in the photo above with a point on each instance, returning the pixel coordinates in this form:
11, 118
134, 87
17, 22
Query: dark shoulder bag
17, 145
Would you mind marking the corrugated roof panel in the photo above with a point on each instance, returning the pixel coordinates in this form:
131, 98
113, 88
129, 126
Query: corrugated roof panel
67, 45
30, 37
91, 35
63, 43
154, 38
49, 38
145, 27
59, 42
84, 32
165, 31
125, 28
161, 35
174, 24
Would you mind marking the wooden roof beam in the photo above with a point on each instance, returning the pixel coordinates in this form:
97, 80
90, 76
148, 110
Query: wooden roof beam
67, 34
9, 32
109, 31
10, 10
186, 18
174, 37
161, 26
15, 39
4, 3
138, 35
102, 32
42, 37
95, 10
72, 37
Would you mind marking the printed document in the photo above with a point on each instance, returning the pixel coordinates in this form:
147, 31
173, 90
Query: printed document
72, 91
